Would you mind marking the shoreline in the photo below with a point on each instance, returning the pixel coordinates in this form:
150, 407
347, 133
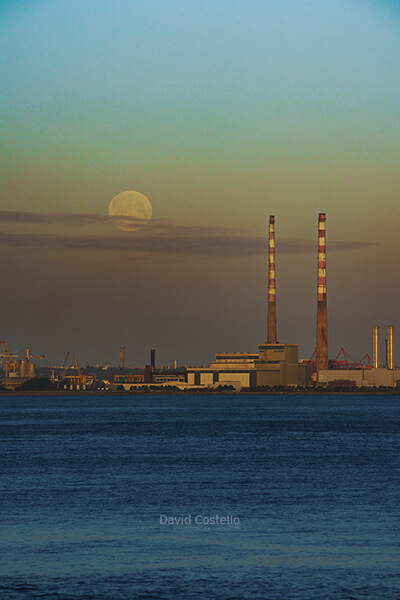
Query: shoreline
253, 392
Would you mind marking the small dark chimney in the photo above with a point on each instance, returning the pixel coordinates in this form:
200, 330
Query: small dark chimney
147, 374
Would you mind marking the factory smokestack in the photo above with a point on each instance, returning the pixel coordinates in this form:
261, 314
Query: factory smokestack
152, 360
322, 314
375, 347
147, 374
122, 357
390, 348
271, 328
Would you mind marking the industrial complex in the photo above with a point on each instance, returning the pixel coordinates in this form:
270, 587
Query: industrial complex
275, 365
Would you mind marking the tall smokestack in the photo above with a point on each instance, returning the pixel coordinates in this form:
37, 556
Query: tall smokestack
322, 315
122, 357
387, 353
375, 347
152, 360
390, 348
271, 333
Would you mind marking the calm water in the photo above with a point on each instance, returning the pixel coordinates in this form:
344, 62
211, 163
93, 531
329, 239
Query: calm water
310, 487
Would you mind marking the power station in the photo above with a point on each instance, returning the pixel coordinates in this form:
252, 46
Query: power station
275, 363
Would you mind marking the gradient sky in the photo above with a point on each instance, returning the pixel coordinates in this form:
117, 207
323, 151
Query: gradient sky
221, 113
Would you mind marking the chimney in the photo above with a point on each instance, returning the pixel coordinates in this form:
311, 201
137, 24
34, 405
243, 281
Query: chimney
271, 328
375, 347
152, 360
390, 348
122, 357
322, 315
147, 374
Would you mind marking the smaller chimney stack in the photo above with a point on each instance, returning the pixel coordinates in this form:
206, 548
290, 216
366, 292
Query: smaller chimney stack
390, 348
147, 374
122, 357
375, 347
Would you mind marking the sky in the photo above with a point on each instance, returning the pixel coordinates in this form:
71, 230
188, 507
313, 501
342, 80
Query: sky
221, 112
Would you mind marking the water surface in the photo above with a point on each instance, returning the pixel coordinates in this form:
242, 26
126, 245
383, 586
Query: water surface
309, 488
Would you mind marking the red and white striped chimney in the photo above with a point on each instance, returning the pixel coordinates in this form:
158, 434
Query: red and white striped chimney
322, 314
271, 328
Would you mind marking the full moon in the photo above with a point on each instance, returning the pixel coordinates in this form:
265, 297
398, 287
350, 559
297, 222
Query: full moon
130, 204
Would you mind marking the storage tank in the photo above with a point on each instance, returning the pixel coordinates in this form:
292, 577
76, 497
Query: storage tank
27, 369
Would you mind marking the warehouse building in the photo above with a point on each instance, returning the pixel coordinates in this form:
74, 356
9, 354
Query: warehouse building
362, 377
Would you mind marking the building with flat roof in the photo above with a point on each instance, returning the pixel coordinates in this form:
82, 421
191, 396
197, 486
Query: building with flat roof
278, 364
379, 377
273, 365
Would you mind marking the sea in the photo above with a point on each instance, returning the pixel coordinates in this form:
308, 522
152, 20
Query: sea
199, 496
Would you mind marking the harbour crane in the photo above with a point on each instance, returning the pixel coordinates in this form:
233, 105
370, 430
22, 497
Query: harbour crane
83, 379
16, 364
11, 360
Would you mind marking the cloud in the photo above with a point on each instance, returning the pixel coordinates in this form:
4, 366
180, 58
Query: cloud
188, 241
31, 218
157, 236
156, 226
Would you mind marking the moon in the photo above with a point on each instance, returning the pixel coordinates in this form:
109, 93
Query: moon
130, 204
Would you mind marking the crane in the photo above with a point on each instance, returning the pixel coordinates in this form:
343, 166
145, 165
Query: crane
17, 365
11, 362
83, 379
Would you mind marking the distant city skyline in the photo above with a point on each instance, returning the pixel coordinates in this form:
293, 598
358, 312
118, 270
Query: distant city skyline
221, 114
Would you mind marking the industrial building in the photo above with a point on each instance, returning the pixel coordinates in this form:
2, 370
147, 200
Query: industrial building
362, 377
377, 376
152, 376
273, 365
